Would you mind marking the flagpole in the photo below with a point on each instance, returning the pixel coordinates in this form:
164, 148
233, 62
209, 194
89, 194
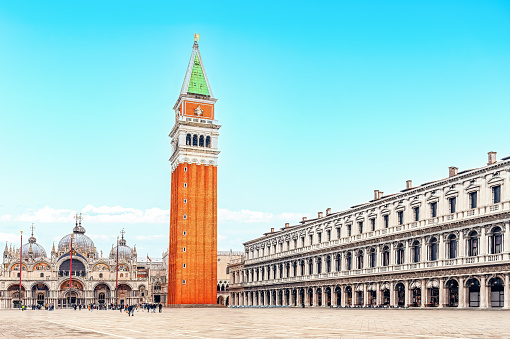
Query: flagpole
71, 270
117, 274
20, 267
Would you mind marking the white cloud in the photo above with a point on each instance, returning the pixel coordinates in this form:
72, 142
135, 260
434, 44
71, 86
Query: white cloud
9, 237
6, 217
46, 214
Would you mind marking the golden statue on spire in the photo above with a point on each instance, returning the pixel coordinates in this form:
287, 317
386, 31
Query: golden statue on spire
197, 37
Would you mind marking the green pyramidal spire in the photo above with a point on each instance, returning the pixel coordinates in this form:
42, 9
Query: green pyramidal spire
197, 83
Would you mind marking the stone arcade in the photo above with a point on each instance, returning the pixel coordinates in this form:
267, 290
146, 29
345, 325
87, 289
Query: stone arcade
441, 244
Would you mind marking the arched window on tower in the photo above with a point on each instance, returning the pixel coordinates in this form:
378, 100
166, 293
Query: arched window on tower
201, 141
208, 142
195, 140
188, 139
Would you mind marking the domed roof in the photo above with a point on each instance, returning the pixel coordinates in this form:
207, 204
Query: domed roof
125, 251
32, 246
81, 242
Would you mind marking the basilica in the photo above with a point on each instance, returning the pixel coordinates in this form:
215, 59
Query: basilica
89, 278
443, 243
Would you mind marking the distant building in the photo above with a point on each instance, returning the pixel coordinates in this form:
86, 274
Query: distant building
91, 280
224, 258
444, 243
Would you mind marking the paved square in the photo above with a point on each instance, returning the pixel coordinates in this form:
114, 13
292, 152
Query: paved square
257, 323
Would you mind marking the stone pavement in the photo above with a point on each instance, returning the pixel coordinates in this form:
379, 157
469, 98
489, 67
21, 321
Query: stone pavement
257, 323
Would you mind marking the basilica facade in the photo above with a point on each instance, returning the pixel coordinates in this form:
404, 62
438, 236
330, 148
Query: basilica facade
444, 243
89, 278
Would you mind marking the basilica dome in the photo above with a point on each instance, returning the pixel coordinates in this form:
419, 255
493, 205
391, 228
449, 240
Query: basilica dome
81, 242
125, 252
32, 247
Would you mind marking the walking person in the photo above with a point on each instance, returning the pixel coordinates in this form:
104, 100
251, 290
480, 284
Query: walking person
160, 307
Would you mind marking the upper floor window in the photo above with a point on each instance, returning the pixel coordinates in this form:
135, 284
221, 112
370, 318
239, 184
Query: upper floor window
338, 232
416, 251
452, 246
295, 243
433, 209
400, 254
496, 240
400, 217
496, 194
372, 224
310, 238
348, 230
416, 213
360, 260
453, 203
386, 221
288, 245
328, 235
433, 249
348, 261
472, 199
473, 244
360, 227
373, 257
386, 256
303, 241
319, 237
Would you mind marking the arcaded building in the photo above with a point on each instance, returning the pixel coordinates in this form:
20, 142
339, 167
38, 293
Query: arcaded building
440, 244
91, 277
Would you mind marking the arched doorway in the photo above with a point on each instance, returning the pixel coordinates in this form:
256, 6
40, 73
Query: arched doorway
328, 296
102, 294
452, 288
348, 295
400, 289
385, 289
40, 293
219, 301
415, 294
319, 297
497, 292
123, 294
294, 297
359, 295
372, 295
302, 297
433, 293
71, 295
310, 297
14, 293
474, 292
338, 292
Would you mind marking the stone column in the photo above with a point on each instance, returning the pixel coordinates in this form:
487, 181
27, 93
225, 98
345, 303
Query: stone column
424, 293
483, 289
483, 243
378, 294
407, 293
506, 290
365, 295
441, 292
441, 247
343, 296
392, 294
314, 301
506, 240
461, 246
462, 292
324, 301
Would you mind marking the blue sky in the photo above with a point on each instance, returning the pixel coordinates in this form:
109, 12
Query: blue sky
321, 103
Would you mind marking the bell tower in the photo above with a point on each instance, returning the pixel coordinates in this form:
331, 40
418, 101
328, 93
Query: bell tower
193, 207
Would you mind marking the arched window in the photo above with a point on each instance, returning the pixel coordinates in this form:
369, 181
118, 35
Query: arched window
373, 257
348, 261
319, 265
207, 141
400, 254
473, 244
452, 246
386, 256
287, 270
295, 268
188, 139
310, 266
302, 264
360, 260
281, 271
416, 251
328, 264
201, 141
433, 249
195, 140
338, 262
100, 275
496, 240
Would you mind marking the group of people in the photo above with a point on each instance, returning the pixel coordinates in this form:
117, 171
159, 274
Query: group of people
129, 309
39, 307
